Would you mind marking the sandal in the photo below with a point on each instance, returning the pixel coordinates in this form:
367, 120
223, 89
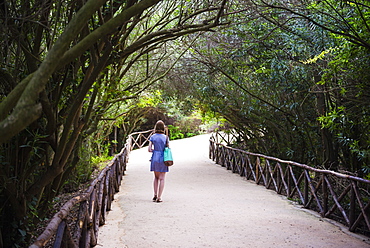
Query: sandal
158, 200
155, 198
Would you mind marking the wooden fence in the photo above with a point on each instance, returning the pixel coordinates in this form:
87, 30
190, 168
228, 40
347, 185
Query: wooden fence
337, 196
92, 205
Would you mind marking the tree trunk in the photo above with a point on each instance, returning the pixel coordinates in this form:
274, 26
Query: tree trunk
329, 153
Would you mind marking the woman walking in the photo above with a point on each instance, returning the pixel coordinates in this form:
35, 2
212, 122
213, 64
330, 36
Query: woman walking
157, 142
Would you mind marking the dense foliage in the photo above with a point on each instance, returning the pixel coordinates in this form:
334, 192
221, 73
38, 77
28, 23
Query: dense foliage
293, 79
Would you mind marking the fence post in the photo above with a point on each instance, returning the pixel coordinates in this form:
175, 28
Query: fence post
60, 233
352, 207
267, 172
306, 188
289, 170
324, 196
257, 170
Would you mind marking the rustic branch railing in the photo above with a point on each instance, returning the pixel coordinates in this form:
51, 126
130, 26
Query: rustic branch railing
337, 196
92, 205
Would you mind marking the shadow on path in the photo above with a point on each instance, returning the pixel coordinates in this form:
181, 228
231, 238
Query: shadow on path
205, 205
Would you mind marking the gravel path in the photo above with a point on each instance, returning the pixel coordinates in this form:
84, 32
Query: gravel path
205, 205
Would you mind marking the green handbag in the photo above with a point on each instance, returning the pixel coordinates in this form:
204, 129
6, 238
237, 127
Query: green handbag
168, 160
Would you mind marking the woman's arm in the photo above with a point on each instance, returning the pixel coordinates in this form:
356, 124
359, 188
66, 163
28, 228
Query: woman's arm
150, 147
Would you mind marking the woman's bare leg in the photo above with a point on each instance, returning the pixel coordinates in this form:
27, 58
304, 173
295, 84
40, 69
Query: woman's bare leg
159, 183
155, 185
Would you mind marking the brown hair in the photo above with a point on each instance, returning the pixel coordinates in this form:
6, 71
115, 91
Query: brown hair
159, 127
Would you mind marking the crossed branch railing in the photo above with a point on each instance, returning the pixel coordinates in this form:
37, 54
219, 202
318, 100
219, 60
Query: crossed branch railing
92, 205
337, 196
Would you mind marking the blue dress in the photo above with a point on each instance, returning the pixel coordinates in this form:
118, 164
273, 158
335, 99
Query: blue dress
159, 142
